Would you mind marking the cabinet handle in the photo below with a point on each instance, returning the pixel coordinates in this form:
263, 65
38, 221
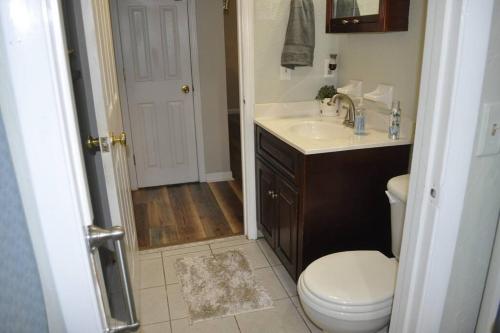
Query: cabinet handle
272, 194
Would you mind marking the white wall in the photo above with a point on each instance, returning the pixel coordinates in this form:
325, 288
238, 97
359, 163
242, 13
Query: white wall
479, 217
210, 31
393, 58
271, 19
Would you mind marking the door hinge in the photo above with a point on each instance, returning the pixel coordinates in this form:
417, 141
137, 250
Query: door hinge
133, 157
124, 75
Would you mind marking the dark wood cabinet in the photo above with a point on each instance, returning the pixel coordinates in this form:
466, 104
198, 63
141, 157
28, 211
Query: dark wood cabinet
287, 224
278, 214
350, 16
313, 205
266, 203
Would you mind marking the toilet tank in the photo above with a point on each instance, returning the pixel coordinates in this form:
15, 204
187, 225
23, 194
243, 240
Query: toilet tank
397, 192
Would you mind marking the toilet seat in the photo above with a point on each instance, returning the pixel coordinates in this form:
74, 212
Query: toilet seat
353, 285
357, 313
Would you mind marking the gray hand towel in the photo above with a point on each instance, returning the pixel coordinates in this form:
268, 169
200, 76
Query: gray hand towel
300, 35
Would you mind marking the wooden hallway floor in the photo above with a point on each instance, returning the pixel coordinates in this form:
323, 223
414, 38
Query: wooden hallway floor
177, 214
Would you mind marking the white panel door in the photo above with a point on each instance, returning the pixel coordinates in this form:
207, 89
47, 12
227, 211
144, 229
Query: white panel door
99, 43
157, 61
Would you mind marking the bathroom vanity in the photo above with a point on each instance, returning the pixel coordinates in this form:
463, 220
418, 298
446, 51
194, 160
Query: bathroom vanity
321, 189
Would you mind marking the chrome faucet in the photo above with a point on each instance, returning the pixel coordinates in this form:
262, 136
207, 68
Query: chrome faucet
349, 115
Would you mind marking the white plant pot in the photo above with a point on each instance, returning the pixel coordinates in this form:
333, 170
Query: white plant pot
327, 109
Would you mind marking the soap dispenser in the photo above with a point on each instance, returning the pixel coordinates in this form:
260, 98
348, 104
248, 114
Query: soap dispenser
359, 119
395, 121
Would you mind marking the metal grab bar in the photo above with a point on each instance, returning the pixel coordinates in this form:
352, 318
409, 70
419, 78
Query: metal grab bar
97, 237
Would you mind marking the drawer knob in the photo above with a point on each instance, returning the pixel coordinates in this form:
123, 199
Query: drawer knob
272, 194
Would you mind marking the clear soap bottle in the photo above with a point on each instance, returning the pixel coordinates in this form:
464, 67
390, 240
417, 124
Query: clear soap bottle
395, 121
359, 119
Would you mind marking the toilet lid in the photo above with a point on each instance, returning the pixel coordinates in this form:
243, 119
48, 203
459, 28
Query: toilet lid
352, 278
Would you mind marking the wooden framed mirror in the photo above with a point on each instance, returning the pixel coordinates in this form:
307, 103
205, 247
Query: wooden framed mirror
366, 15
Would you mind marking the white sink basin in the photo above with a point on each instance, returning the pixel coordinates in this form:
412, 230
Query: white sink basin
319, 130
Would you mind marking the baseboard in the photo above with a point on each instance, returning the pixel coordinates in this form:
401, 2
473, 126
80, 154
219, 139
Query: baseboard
218, 177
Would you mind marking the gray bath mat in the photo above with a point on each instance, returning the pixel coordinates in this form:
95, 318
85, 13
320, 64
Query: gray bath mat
220, 285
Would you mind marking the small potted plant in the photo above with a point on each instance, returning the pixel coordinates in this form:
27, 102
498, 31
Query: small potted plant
324, 96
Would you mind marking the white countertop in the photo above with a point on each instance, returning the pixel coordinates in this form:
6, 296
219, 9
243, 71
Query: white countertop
316, 134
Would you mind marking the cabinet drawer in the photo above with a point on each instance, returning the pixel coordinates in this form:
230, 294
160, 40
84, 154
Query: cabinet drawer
279, 154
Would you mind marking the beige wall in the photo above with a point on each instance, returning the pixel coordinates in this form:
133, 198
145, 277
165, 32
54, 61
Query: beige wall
210, 30
392, 58
271, 19
232, 70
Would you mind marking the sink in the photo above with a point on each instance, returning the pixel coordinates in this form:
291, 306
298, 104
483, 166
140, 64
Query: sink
319, 130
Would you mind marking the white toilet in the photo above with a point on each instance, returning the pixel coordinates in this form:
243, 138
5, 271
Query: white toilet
351, 292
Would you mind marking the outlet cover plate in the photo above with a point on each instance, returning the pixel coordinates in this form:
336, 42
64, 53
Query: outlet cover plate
489, 135
285, 74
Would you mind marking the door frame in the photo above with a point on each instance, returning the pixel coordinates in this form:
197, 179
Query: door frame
246, 60
196, 91
488, 312
42, 130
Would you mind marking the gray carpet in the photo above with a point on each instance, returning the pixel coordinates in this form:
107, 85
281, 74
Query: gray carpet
220, 285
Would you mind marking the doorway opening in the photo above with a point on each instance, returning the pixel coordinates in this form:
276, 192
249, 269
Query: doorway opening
178, 76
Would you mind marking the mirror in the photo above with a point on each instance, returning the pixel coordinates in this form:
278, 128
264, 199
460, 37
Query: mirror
350, 8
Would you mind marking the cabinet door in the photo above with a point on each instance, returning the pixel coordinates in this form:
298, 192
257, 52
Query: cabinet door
266, 184
287, 220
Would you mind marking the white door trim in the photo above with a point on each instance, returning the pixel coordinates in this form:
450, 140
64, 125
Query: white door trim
457, 32
122, 89
247, 107
40, 120
195, 72
489, 304
196, 89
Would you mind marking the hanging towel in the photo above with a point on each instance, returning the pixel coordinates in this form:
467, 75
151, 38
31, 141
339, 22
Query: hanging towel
300, 35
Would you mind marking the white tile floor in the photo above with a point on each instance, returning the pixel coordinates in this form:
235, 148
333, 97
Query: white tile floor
163, 310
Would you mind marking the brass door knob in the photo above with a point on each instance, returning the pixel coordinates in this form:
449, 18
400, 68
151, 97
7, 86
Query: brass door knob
93, 144
185, 89
121, 139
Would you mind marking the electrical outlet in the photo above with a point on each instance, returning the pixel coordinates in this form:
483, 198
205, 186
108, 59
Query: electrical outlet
489, 136
327, 72
285, 74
